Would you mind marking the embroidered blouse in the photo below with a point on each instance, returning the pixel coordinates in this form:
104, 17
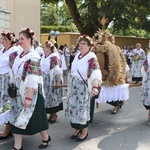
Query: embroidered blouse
4, 60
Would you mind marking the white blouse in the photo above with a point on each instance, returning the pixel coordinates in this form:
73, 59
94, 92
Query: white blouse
45, 64
81, 65
4, 60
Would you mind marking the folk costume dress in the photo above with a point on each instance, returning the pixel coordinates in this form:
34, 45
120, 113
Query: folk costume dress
27, 75
51, 67
146, 83
79, 94
4, 81
62, 58
137, 62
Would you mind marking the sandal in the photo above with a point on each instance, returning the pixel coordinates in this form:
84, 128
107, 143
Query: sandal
47, 141
115, 110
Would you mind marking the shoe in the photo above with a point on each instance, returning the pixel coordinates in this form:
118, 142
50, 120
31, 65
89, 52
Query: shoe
75, 136
80, 140
53, 120
47, 141
6, 137
114, 111
50, 117
14, 148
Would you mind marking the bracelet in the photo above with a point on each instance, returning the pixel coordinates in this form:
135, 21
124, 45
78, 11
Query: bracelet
95, 87
30, 99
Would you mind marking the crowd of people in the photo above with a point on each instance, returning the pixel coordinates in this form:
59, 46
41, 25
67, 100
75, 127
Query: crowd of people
37, 71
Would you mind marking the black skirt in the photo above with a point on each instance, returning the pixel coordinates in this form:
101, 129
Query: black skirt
136, 78
54, 109
38, 122
115, 103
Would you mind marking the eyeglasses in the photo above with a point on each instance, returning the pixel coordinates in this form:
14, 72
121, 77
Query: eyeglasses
82, 43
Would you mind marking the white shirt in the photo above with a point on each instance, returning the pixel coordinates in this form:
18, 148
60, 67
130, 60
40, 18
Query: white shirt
45, 64
39, 50
66, 52
4, 60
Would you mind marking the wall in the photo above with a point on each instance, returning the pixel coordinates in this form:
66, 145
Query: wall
24, 13
71, 39
4, 17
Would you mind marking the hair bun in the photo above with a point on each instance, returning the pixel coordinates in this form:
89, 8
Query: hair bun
28, 30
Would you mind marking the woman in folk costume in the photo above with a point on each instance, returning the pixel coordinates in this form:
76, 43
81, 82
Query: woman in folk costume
113, 65
8, 48
137, 62
62, 57
27, 113
85, 77
146, 85
52, 75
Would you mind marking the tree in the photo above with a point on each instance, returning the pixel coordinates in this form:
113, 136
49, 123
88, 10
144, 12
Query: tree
123, 15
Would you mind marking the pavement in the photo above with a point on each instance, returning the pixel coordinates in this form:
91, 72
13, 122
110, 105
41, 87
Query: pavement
126, 130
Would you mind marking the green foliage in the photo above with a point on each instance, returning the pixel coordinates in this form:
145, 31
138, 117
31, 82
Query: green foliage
47, 29
125, 17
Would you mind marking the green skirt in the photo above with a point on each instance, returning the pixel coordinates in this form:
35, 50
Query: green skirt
38, 122
79, 126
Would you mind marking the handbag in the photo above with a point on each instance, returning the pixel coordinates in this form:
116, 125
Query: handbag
99, 88
12, 90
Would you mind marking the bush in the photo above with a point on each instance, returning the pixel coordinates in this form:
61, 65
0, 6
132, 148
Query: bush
47, 29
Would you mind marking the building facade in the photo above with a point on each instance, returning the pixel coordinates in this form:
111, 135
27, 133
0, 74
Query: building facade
18, 14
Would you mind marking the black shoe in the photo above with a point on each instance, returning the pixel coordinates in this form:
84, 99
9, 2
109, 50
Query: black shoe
47, 141
75, 136
14, 148
6, 137
80, 140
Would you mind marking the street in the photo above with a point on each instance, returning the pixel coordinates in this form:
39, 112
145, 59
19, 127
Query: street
127, 130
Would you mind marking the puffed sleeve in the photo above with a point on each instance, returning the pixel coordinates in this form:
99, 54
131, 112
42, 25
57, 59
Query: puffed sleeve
94, 72
55, 64
32, 73
12, 58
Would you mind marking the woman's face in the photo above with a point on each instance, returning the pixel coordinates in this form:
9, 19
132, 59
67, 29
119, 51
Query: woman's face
46, 49
24, 41
83, 46
5, 41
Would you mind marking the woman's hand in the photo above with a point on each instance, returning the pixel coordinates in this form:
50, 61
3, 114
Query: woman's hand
95, 91
27, 103
58, 84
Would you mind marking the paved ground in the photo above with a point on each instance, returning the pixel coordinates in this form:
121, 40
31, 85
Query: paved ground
127, 130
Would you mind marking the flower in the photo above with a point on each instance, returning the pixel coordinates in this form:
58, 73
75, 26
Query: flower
84, 36
10, 36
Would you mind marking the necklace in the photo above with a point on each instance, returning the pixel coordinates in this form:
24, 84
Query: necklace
47, 55
22, 54
81, 56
